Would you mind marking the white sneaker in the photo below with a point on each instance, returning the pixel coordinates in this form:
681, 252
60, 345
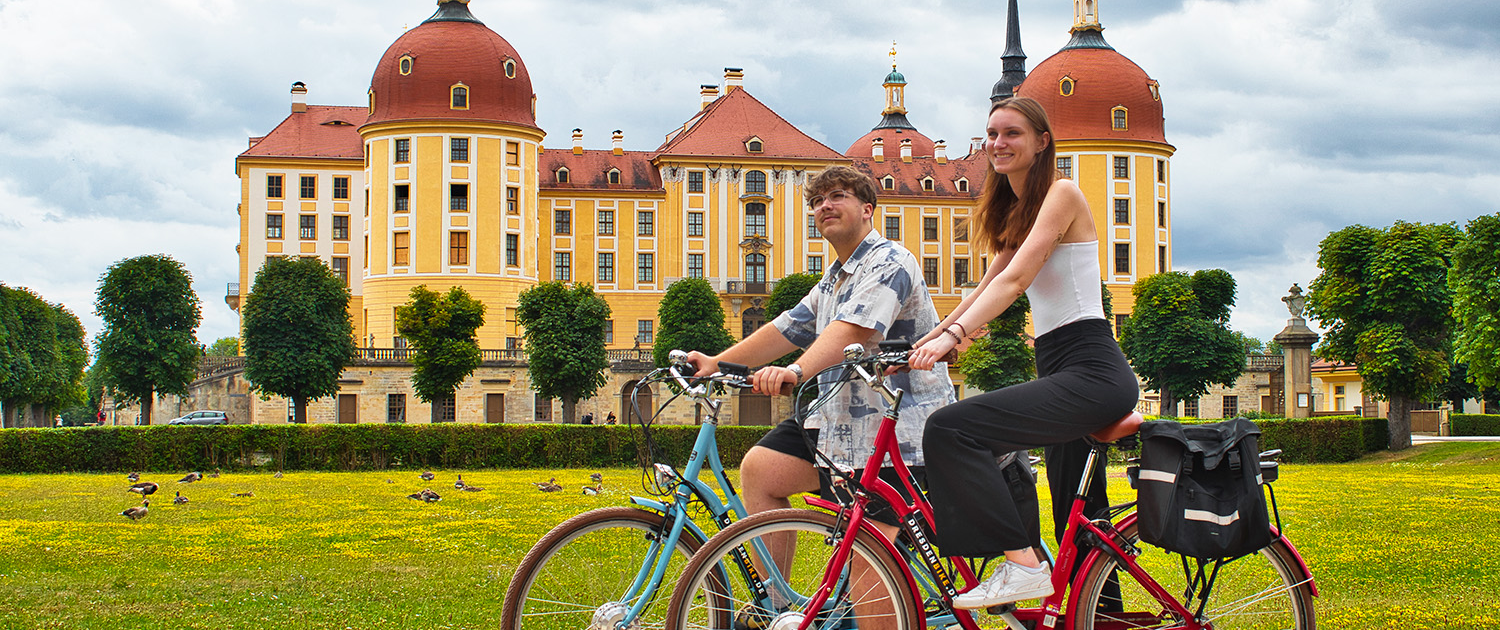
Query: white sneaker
1009, 583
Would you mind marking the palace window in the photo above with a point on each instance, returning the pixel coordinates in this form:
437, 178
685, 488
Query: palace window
929, 228
341, 187
460, 97
1065, 166
562, 221
1161, 171
512, 250
893, 228
888, 182
1161, 214
1122, 167
755, 268
755, 182
962, 185
562, 175
510, 68
1122, 211
960, 271
273, 226
815, 265
512, 200
403, 150
458, 248
1122, 257
309, 187
1118, 119
645, 223
755, 219
401, 248
403, 197
512, 154
395, 408
695, 181
645, 331
1065, 86
645, 268
609, 331
613, 176
458, 197
273, 186
960, 229
340, 228
458, 149
562, 266
308, 224
405, 64
695, 224
606, 222
812, 227
927, 184
930, 271
606, 266
340, 266
695, 266
754, 145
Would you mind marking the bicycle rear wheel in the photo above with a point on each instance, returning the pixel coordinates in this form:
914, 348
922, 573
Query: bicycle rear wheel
873, 593
1264, 590
577, 575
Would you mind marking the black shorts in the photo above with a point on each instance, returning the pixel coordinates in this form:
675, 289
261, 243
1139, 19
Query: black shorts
787, 438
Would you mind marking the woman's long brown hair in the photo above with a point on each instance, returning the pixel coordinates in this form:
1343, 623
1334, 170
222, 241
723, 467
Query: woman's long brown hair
1002, 219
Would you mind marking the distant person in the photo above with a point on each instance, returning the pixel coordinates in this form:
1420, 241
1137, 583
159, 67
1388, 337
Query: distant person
610, 419
588, 418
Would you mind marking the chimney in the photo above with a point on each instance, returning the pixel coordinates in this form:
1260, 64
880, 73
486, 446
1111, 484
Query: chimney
940, 152
299, 97
976, 145
710, 94
733, 77
906, 150
577, 142
877, 149
619, 140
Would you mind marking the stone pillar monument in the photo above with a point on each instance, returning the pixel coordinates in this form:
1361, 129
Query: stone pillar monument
1296, 345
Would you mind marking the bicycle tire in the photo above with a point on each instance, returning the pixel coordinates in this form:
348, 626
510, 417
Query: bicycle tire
702, 599
1267, 589
585, 564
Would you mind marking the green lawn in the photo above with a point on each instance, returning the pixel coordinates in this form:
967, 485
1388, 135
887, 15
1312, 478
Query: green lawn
1394, 542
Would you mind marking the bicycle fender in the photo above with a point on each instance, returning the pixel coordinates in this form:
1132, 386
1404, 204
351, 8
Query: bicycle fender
689, 526
650, 504
1301, 564
911, 581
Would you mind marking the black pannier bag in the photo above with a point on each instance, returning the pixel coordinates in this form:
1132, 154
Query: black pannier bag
1199, 488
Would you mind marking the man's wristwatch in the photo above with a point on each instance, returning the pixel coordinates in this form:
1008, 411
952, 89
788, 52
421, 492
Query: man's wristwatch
796, 369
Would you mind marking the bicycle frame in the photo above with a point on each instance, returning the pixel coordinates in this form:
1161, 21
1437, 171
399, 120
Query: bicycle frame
686, 486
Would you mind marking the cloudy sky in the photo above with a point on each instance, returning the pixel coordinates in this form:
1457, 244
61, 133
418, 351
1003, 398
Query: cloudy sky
120, 121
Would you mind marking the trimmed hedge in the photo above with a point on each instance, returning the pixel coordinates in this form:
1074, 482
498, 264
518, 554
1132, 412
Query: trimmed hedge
349, 447
1473, 424
1323, 439
383, 446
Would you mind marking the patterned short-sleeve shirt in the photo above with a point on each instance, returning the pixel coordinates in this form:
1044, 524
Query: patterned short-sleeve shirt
879, 287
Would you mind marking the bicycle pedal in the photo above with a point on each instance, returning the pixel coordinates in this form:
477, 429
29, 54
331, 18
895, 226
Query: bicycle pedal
1001, 609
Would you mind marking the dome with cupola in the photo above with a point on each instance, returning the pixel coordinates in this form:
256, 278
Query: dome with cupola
1091, 91
452, 66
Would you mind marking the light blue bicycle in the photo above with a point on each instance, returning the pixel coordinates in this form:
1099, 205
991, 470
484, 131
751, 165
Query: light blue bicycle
604, 569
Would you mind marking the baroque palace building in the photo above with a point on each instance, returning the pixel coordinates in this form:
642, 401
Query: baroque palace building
443, 179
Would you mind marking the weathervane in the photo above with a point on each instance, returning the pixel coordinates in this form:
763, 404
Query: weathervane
893, 54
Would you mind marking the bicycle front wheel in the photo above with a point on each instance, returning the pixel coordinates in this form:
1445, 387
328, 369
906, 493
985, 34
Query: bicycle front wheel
578, 575
872, 592
1264, 590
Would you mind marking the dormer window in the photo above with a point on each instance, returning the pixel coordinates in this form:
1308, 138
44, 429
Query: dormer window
1119, 119
1065, 86
962, 185
510, 68
460, 96
405, 64
927, 184
372, 102
562, 175
1155, 90
888, 182
613, 176
754, 145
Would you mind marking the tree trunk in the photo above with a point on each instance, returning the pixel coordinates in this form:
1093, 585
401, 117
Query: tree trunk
1168, 402
570, 409
146, 402
301, 409
1400, 422
7, 409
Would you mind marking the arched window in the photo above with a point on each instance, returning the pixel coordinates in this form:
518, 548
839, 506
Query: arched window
1118, 119
755, 268
927, 183
963, 185
753, 318
755, 182
562, 175
460, 97
888, 182
614, 176
755, 219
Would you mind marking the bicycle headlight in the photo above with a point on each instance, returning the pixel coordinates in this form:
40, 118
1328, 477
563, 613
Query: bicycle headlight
665, 476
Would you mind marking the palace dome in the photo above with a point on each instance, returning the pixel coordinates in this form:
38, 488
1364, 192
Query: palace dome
1083, 84
417, 76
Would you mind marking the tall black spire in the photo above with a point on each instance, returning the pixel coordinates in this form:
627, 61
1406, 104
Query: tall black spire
1013, 61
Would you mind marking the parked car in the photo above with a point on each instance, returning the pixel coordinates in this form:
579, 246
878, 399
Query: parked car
202, 417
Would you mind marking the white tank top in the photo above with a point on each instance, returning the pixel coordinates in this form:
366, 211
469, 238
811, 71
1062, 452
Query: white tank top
1067, 288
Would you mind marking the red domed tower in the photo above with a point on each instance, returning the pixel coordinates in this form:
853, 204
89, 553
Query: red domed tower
451, 146
1106, 115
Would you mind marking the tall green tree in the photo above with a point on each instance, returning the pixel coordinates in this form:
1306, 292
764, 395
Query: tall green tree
298, 332
42, 355
788, 293
691, 318
150, 313
1474, 280
1178, 338
1001, 357
564, 338
442, 330
224, 347
1382, 298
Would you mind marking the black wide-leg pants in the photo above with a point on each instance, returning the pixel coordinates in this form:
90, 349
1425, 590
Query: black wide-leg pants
1083, 384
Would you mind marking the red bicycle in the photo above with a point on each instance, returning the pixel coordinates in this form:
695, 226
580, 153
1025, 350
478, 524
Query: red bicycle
847, 575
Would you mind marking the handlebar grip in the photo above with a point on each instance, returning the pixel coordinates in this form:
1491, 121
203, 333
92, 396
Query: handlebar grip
951, 357
734, 368
787, 389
